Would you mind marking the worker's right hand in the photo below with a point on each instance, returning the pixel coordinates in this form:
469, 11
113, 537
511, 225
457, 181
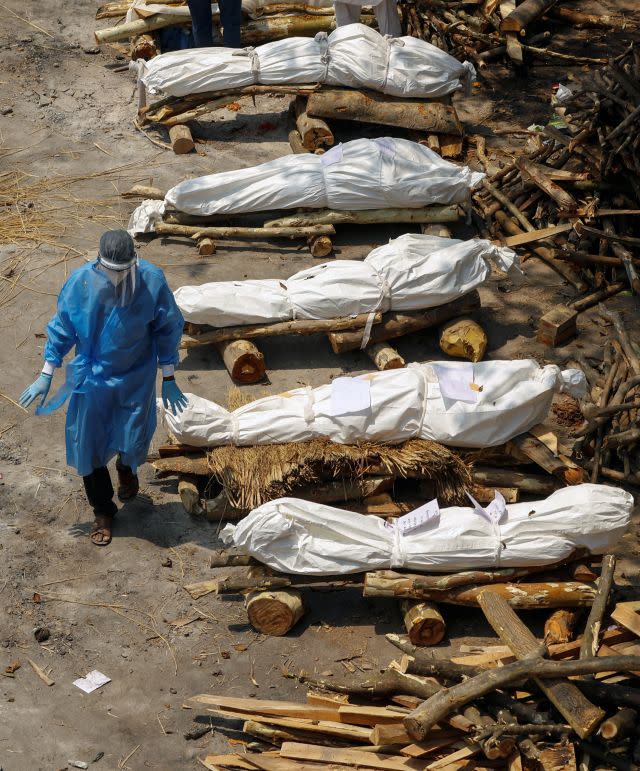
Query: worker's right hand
39, 387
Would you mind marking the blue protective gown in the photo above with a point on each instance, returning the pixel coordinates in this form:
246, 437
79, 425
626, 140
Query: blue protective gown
111, 381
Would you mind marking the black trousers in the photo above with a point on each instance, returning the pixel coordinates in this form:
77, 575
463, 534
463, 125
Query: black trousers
201, 22
99, 490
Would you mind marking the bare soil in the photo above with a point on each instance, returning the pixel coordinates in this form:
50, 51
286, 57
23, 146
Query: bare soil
64, 113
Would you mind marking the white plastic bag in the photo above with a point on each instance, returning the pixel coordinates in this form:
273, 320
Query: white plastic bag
353, 55
411, 272
296, 536
501, 399
358, 175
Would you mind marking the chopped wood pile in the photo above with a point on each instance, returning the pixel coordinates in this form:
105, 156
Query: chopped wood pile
527, 704
485, 30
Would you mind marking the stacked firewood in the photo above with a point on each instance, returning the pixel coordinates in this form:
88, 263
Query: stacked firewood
485, 30
573, 201
509, 706
608, 440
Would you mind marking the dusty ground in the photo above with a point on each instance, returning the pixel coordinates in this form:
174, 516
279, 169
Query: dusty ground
63, 112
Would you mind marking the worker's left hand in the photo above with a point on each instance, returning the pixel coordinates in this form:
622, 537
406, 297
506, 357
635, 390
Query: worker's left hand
172, 397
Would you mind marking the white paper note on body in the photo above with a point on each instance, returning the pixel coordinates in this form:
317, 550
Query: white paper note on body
416, 518
455, 382
349, 395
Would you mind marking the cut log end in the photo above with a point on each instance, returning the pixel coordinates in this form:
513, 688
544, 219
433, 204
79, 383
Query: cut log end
274, 613
181, 139
320, 246
206, 247
463, 338
244, 362
190, 496
385, 357
559, 627
423, 622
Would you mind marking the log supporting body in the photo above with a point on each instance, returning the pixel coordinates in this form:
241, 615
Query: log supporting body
244, 362
434, 117
396, 324
314, 132
181, 139
274, 613
423, 622
384, 356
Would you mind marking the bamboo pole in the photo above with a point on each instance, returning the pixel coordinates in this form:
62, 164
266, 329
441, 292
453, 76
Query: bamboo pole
196, 232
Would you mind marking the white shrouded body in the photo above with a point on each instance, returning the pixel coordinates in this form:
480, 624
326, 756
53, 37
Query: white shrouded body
511, 397
295, 536
412, 272
353, 55
359, 175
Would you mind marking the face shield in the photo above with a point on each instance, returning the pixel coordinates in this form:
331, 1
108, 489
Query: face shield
118, 260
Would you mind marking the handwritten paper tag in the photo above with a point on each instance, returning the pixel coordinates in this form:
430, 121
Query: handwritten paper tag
92, 681
456, 383
416, 518
494, 512
349, 395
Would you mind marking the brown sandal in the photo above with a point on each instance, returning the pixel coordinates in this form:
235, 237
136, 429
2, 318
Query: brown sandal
101, 532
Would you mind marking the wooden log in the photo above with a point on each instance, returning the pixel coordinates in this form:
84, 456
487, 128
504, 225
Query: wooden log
244, 362
463, 338
591, 637
396, 323
420, 721
320, 246
391, 682
539, 453
276, 736
602, 294
230, 558
402, 584
140, 26
274, 613
484, 494
297, 327
557, 326
597, 21
384, 356
619, 726
532, 484
143, 47
368, 217
623, 338
526, 596
295, 142
181, 139
423, 622
206, 247
313, 131
144, 191
494, 746
342, 490
190, 496
559, 627
371, 107
196, 231
527, 12
537, 173
576, 709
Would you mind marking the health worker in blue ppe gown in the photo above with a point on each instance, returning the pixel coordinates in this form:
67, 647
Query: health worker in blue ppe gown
120, 315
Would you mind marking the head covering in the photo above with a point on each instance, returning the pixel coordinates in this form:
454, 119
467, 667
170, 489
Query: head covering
117, 250
117, 258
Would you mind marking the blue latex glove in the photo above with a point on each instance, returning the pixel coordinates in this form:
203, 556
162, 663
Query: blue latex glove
172, 397
39, 387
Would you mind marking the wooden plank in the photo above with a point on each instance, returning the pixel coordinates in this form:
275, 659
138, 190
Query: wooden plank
268, 707
369, 716
358, 758
463, 753
437, 740
231, 760
626, 613
327, 699
537, 235
341, 730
